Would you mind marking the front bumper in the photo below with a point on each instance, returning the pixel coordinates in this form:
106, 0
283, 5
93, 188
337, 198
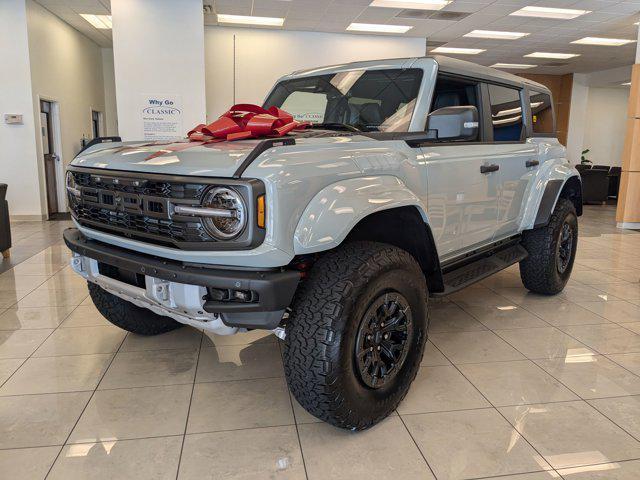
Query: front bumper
179, 290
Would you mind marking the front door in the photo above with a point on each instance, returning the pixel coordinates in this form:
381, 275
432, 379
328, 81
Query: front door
50, 158
462, 195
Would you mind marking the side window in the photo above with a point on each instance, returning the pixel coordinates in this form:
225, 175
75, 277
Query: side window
541, 113
450, 91
306, 106
506, 113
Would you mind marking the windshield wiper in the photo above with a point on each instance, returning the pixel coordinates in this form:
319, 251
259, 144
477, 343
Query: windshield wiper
336, 126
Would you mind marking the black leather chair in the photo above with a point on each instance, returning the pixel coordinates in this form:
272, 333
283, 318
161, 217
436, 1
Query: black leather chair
5, 227
582, 166
614, 181
595, 185
601, 167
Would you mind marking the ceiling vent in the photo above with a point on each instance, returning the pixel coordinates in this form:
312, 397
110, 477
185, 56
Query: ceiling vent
432, 15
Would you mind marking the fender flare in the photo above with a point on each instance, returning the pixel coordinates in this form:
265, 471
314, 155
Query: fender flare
334, 211
554, 189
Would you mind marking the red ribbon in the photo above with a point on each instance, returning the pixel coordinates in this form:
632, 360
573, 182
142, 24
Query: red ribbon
246, 121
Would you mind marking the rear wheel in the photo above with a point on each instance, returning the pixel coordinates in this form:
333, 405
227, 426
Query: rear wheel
356, 334
128, 316
552, 250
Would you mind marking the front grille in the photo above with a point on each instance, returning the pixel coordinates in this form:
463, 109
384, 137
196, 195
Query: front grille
141, 208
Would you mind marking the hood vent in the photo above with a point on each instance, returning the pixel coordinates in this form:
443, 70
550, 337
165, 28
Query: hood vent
432, 15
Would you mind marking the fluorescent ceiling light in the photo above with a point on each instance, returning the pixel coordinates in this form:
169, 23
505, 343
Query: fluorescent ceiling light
378, 28
460, 51
250, 20
627, 84
103, 22
514, 66
412, 4
555, 56
495, 34
549, 12
607, 42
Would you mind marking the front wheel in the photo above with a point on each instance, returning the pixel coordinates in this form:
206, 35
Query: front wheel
356, 334
552, 250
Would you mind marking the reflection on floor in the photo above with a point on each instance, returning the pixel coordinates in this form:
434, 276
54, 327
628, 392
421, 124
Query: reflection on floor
513, 385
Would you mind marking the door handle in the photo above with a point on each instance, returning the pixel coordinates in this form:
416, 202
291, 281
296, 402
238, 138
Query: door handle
531, 163
489, 168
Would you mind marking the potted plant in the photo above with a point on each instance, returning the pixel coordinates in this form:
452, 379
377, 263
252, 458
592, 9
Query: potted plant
583, 158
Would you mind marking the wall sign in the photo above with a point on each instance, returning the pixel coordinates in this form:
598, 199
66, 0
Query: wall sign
161, 117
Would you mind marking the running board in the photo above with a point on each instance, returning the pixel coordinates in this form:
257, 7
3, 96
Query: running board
481, 268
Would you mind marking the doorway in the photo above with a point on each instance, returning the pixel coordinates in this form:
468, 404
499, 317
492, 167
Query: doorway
96, 123
50, 154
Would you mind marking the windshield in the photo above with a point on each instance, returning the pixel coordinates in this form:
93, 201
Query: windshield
368, 100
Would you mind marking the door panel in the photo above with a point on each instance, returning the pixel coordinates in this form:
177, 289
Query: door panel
463, 202
50, 158
515, 181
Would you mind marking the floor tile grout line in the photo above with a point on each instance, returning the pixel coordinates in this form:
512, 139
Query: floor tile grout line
85, 407
417, 446
193, 388
498, 411
637, 439
295, 420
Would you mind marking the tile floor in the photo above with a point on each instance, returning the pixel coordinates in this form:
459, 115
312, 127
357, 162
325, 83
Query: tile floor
513, 385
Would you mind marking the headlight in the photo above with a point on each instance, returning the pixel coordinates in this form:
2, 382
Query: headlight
225, 227
72, 187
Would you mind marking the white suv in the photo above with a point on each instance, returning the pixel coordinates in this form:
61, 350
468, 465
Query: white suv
417, 177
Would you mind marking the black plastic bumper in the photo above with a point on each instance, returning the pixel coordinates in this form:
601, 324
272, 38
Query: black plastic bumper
275, 288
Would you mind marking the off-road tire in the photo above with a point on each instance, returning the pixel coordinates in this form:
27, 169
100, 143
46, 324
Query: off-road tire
319, 349
539, 271
128, 316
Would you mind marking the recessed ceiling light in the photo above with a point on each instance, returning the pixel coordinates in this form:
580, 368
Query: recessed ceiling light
608, 42
549, 12
562, 56
412, 4
103, 22
459, 51
378, 28
250, 20
495, 34
514, 66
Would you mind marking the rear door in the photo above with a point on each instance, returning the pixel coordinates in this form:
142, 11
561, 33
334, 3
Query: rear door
462, 180
511, 151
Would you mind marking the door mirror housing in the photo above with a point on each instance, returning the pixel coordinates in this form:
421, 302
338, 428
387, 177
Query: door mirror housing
454, 123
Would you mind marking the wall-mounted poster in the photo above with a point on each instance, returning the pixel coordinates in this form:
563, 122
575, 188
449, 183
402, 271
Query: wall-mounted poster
161, 117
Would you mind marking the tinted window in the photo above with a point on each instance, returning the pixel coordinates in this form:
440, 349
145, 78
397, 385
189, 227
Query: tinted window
506, 113
370, 100
541, 112
454, 92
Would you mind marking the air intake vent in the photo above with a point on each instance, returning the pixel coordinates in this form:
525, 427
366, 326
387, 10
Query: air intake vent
432, 15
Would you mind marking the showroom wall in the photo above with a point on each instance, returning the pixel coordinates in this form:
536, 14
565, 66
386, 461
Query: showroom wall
18, 165
66, 67
262, 56
110, 108
605, 125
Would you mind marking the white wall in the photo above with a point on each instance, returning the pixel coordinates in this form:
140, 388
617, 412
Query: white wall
18, 164
66, 67
158, 50
577, 117
263, 56
110, 108
605, 125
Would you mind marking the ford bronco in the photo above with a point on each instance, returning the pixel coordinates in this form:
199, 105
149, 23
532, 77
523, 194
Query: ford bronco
415, 178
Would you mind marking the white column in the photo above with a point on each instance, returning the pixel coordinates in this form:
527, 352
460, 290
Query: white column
158, 48
18, 159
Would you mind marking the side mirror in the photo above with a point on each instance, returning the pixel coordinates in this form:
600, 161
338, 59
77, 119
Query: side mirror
454, 123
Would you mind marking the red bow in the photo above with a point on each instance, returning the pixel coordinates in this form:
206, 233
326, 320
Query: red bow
246, 121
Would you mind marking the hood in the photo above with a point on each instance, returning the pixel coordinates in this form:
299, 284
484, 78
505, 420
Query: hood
177, 158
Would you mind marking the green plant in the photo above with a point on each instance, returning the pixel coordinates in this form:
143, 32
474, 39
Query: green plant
583, 158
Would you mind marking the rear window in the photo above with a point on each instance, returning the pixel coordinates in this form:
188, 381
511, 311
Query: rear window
541, 113
506, 113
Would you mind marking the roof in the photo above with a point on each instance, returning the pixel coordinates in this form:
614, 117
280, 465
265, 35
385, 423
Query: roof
446, 64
